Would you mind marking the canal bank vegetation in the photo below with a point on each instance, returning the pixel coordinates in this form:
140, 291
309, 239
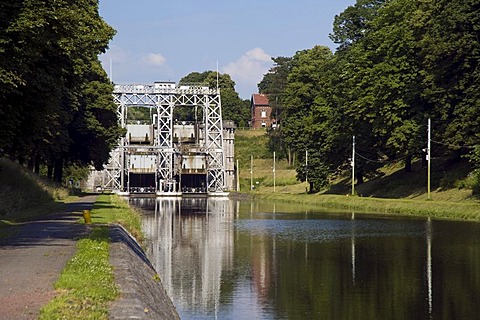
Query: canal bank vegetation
400, 90
110, 208
87, 285
391, 191
407, 207
24, 195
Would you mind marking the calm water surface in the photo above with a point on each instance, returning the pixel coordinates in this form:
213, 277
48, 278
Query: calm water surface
225, 259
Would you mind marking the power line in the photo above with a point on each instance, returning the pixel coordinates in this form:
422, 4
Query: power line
453, 145
376, 161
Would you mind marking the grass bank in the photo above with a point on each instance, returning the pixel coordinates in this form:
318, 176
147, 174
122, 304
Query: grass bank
110, 208
391, 190
23, 195
423, 208
86, 285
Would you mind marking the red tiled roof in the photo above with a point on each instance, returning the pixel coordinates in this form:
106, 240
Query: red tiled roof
260, 99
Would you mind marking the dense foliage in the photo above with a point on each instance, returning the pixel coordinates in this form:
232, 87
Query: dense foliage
398, 63
56, 105
233, 107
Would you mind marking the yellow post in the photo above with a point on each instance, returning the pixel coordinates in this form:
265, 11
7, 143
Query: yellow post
87, 217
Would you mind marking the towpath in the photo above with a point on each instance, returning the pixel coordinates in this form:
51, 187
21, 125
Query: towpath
33, 257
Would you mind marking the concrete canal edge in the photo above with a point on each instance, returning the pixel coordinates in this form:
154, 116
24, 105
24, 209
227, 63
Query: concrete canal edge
142, 295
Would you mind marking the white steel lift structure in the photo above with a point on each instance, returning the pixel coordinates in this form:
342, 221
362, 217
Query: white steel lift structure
162, 98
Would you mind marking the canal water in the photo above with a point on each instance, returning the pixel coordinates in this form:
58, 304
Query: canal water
226, 259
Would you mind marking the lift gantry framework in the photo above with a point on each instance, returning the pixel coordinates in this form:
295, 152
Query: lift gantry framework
164, 99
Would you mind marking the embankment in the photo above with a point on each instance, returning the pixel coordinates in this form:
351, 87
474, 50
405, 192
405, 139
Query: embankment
436, 209
142, 295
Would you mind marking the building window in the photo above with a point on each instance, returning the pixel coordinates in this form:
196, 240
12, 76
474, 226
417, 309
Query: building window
264, 114
264, 124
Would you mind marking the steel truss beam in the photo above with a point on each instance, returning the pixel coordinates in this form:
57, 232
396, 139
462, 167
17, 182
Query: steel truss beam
164, 100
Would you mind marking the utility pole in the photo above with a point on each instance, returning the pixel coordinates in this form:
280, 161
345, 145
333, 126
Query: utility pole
238, 177
274, 171
251, 172
306, 166
353, 167
428, 158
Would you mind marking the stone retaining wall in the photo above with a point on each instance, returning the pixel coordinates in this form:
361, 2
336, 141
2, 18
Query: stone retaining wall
142, 295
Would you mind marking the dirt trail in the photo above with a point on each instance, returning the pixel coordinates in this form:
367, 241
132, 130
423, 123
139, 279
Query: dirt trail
31, 260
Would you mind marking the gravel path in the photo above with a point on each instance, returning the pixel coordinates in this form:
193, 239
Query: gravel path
31, 260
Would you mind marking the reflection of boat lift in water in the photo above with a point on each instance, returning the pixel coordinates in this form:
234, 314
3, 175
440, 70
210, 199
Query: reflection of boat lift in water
164, 157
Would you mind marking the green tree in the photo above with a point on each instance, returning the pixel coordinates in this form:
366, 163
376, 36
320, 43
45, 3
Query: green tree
55, 47
233, 108
450, 48
379, 72
309, 124
397, 111
274, 84
350, 26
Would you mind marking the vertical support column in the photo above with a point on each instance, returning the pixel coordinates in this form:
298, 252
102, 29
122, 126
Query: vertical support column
164, 142
119, 163
123, 149
214, 144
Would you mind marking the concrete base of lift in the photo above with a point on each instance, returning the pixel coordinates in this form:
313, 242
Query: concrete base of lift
218, 194
168, 194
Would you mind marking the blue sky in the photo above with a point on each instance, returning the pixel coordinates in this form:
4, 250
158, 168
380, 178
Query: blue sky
166, 40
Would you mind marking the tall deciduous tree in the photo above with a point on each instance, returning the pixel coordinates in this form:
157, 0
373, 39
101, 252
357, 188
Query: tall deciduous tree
310, 125
350, 26
274, 84
398, 63
394, 109
450, 48
54, 46
233, 108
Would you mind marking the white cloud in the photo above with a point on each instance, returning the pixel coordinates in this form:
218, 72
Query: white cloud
155, 59
249, 68
115, 54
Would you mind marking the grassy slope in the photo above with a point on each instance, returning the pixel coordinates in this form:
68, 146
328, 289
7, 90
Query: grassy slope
254, 143
392, 191
23, 195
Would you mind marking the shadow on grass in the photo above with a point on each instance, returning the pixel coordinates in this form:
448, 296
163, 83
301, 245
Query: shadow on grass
103, 206
400, 184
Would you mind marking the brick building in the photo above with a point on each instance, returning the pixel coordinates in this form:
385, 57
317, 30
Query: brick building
261, 111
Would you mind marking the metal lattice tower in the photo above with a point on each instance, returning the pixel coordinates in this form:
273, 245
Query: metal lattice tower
164, 100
